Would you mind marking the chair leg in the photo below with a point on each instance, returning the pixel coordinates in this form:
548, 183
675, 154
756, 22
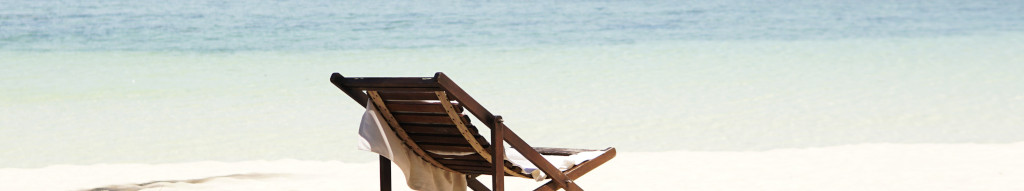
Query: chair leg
498, 158
385, 174
474, 184
580, 170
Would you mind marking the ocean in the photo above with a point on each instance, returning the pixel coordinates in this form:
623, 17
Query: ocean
112, 82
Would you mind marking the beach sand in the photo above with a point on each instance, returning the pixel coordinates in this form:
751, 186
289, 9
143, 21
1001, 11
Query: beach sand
932, 167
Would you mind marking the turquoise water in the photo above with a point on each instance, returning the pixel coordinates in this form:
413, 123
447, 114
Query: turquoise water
275, 25
154, 82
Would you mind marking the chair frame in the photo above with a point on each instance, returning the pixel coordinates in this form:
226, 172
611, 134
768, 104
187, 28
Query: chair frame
445, 88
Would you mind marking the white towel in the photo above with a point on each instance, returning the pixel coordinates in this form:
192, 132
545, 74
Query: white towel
377, 136
561, 162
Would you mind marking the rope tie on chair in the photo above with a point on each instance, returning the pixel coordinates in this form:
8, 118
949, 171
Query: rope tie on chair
450, 109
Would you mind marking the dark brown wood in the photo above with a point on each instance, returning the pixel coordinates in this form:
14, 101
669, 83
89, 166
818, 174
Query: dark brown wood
449, 148
475, 184
443, 139
438, 129
480, 163
460, 157
439, 139
515, 168
423, 95
356, 95
419, 106
395, 82
498, 180
581, 169
478, 169
424, 118
534, 157
471, 171
471, 104
470, 137
385, 174
413, 89
560, 151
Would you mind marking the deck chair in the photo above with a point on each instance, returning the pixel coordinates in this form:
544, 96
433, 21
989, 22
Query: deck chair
426, 113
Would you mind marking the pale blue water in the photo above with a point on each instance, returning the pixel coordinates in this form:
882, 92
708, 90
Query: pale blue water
276, 25
155, 81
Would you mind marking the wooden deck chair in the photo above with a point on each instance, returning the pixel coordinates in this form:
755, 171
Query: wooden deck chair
427, 114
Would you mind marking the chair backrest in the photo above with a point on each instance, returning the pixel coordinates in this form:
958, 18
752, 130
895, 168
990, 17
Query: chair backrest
428, 115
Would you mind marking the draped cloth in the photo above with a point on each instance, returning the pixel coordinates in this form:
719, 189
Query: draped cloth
376, 136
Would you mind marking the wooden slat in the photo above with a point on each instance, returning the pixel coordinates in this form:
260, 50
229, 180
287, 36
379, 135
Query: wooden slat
474, 168
472, 171
449, 148
396, 89
424, 95
439, 139
424, 118
356, 95
459, 157
393, 82
419, 106
478, 172
428, 118
479, 163
442, 139
435, 129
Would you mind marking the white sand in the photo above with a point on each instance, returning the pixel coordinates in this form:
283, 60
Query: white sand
931, 167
